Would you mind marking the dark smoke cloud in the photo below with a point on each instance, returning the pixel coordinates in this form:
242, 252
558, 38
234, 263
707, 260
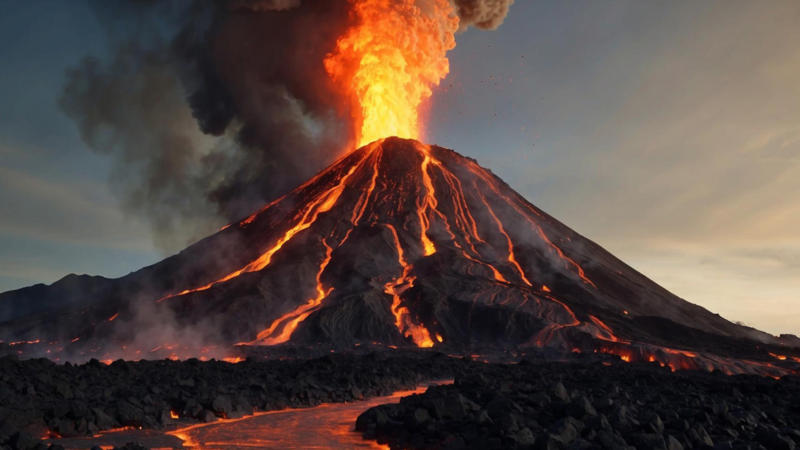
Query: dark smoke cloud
483, 14
209, 109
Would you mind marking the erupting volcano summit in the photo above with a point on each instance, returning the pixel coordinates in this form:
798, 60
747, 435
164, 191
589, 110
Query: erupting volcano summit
404, 244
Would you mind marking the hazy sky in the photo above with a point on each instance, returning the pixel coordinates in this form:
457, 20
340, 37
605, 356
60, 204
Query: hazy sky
667, 132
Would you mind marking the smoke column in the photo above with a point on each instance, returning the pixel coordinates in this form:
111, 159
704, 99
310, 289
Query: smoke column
210, 109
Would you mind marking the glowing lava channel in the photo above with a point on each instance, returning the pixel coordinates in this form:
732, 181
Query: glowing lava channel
491, 183
321, 204
301, 313
419, 334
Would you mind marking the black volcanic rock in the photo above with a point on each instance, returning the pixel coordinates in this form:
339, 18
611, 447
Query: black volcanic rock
399, 243
514, 408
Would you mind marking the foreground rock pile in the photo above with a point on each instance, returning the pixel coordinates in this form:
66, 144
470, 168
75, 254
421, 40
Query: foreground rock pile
39, 398
592, 406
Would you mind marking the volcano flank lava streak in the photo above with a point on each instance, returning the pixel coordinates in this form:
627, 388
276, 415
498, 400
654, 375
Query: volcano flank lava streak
408, 244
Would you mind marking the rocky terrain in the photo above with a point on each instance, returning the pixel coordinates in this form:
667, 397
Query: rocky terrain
584, 402
40, 399
543, 405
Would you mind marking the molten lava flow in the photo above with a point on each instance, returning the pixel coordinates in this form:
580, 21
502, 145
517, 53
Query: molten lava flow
388, 61
609, 333
111, 319
300, 313
428, 202
511, 258
429, 205
515, 203
419, 334
320, 204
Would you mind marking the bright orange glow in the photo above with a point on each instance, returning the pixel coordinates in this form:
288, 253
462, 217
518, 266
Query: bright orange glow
26, 342
318, 205
235, 360
428, 202
388, 61
545, 289
300, 313
439, 338
518, 204
511, 258
395, 288
173, 415
110, 319
610, 333
781, 357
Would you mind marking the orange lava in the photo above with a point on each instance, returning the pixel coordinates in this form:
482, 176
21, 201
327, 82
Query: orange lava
428, 202
419, 334
300, 313
111, 319
318, 205
610, 333
518, 206
173, 415
781, 357
511, 258
24, 342
389, 60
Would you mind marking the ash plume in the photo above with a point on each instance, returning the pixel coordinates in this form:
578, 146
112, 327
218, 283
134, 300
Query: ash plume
483, 14
210, 109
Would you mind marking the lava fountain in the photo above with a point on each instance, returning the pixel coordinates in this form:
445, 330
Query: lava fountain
388, 61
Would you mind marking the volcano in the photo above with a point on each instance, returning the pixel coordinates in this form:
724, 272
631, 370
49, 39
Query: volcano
404, 244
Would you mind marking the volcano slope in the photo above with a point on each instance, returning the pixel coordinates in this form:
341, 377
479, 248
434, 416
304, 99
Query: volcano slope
399, 243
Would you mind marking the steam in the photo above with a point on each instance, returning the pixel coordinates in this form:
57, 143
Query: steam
209, 110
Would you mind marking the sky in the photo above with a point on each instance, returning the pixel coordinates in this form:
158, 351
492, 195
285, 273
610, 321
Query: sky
667, 132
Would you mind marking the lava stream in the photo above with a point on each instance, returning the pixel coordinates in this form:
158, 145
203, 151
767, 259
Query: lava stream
321, 204
418, 333
428, 202
511, 258
490, 182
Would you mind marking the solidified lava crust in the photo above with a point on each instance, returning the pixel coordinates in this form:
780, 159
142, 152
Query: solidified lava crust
546, 405
585, 401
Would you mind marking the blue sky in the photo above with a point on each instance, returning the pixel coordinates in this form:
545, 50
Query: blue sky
668, 132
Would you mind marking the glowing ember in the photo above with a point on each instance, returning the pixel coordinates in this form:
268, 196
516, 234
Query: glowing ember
388, 61
111, 319
173, 415
781, 357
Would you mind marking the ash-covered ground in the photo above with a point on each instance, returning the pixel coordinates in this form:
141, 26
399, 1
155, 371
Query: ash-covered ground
582, 402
